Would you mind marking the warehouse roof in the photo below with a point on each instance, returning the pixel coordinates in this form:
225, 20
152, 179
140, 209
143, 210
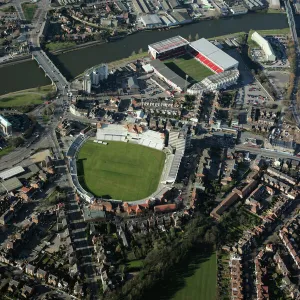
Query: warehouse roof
168, 73
10, 185
214, 54
11, 172
151, 19
169, 44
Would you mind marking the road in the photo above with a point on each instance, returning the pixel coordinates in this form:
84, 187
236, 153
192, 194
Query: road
48, 139
292, 25
266, 152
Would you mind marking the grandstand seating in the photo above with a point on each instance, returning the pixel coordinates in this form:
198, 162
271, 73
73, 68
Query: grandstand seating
172, 53
205, 61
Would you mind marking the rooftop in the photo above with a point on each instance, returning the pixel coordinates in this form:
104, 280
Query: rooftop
214, 54
11, 172
168, 73
10, 185
169, 44
90, 215
151, 19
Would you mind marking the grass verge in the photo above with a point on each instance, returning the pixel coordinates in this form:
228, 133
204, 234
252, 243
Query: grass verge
25, 98
29, 10
6, 151
54, 46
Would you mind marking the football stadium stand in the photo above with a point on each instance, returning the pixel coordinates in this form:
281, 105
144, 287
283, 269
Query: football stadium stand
169, 76
215, 82
204, 52
171, 47
213, 57
135, 134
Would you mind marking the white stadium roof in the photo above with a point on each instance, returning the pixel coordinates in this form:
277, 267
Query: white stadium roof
169, 44
214, 54
11, 172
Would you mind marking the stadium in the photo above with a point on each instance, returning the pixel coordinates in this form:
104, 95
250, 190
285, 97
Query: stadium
125, 163
180, 63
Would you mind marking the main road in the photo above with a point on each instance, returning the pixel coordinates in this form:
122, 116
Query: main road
292, 25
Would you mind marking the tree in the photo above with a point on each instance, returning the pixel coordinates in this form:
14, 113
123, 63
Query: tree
133, 53
108, 228
141, 50
197, 36
190, 38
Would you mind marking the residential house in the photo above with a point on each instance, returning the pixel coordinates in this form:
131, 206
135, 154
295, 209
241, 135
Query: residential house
236, 277
281, 265
165, 208
52, 279
41, 274
13, 285
27, 291
30, 269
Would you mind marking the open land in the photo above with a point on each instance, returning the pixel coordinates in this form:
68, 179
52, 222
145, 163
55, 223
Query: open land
27, 97
29, 10
120, 170
193, 279
186, 64
202, 284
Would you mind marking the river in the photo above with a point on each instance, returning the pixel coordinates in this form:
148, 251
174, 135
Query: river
71, 64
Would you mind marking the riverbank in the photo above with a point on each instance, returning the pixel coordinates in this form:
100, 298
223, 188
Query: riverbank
26, 97
73, 63
65, 47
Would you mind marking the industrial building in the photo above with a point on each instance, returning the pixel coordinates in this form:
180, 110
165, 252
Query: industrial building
264, 45
212, 57
151, 21
169, 76
5, 127
168, 48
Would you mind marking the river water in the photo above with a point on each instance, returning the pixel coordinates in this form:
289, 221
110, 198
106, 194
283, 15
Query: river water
71, 64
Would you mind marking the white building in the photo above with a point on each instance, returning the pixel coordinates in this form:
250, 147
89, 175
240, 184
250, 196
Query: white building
95, 76
87, 84
239, 9
151, 20
215, 82
275, 4
99, 74
265, 46
5, 126
103, 72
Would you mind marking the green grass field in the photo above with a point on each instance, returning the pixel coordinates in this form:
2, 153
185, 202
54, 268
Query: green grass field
27, 97
6, 150
186, 64
53, 46
120, 170
29, 10
202, 284
195, 278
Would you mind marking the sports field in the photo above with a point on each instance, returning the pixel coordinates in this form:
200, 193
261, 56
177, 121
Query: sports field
120, 170
202, 284
186, 64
